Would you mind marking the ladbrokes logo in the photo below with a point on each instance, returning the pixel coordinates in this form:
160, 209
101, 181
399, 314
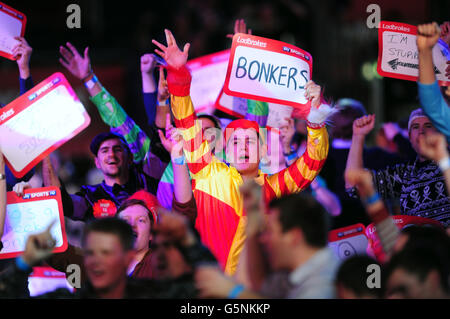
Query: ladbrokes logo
6, 114
396, 27
252, 42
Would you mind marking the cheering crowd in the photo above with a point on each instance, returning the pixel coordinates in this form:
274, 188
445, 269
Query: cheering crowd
191, 208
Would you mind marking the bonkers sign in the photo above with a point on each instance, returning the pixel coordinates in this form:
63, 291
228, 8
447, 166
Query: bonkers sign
38, 122
31, 214
398, 56
268, 70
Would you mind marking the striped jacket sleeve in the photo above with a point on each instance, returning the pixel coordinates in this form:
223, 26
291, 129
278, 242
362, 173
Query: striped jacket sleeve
302, 172
196, 149
115, 116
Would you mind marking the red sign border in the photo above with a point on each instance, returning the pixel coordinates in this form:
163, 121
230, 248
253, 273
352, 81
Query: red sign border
12, 198
22, 32
22, 102
413, 31
273, 46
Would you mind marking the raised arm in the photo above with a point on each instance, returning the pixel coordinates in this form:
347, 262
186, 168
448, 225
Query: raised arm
110, 110
196, 149
302, 172
430, 95
181, 180
155, 96
385, 226
22, 52
361, 127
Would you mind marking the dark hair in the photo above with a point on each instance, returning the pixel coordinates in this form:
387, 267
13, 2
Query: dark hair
420, 261
100, 138
341, 122
212, 118
303, 211
352, 274
114, 226
427, 236
134, 201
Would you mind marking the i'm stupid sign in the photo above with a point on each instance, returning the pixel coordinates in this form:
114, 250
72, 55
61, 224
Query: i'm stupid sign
267, 70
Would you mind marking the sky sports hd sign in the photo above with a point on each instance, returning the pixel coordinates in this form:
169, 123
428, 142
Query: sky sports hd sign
267, 70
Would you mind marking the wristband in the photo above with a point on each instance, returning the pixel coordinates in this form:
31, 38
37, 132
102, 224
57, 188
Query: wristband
87, 76
90, 84
444, 164
290, 157
372, 199
236, 291
22, 265
179, 160
165, 103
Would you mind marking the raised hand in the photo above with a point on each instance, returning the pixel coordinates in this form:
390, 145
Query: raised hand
163, 90
173, 56
240, 27
287, 131
22, 52
433, 146
253, 206
172, 141
20, 187
79, 66
445, 32
312, 93
148, 63
39, 246
362, 179
364, 125
427, 35
211, 282
175, 226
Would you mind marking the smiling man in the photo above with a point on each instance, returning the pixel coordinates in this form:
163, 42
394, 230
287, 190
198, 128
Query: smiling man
122, 178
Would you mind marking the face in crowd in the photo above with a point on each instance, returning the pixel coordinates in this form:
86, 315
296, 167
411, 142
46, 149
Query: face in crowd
243, 150
276, 242
420, 126
167, 261
113, 158
138, 217
105, 260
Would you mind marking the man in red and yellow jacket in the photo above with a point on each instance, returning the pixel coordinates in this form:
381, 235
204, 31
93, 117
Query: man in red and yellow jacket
216, 185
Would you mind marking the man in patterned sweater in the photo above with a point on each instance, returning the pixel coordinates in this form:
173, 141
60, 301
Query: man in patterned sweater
221, 220
418, 184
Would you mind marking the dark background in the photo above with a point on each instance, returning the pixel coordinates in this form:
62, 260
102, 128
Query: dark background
118, 33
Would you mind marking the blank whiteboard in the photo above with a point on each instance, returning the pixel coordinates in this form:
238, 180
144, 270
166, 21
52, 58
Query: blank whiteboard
40, 121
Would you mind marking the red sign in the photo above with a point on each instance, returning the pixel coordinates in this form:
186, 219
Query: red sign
39, 121
267, 70
31, 214
12, 24
398, 56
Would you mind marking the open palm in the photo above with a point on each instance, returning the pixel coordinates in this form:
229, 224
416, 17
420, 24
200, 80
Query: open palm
174, 57
79, 66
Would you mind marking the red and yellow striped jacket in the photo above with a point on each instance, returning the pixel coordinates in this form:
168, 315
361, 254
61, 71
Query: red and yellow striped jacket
221, 219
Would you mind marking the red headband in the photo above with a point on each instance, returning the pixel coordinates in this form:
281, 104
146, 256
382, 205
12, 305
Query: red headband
240, 124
